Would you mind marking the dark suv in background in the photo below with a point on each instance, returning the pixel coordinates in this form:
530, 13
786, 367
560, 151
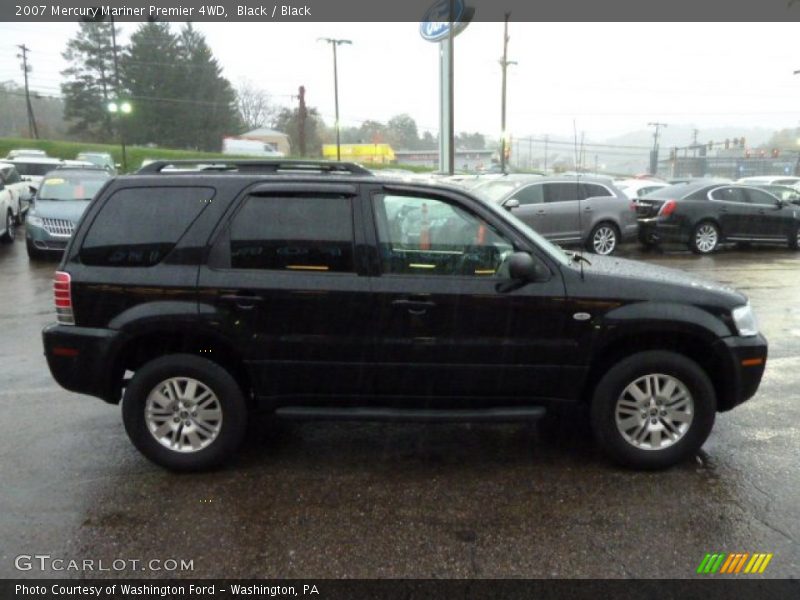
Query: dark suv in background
316, 290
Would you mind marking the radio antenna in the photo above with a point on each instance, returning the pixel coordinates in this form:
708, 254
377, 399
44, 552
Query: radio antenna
578, 196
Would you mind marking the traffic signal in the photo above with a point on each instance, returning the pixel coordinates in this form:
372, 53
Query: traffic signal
775, 153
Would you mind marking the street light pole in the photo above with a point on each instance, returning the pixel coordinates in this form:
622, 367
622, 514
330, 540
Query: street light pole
336, 42
504, 64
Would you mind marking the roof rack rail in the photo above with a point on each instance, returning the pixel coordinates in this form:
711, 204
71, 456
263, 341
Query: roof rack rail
255, 166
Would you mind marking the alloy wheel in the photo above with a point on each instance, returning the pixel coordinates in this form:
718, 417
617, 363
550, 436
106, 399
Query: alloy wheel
706, 238
183, 414
654, 411
604, 240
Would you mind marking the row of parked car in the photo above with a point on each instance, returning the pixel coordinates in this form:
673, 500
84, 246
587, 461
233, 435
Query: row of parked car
62, 189
600, 213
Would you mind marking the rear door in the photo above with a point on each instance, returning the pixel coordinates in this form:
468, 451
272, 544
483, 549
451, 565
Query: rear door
735, 213
285, 283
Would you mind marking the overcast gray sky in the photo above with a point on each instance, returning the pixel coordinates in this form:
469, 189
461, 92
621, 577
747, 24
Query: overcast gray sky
610, 77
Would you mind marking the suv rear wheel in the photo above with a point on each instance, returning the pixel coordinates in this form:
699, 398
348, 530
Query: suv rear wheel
184, 412
653, 409
11, 223
603, 239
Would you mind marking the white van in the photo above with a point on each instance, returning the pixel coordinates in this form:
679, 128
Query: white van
250, 148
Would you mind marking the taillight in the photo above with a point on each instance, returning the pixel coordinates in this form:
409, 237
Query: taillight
633, 205
62, 293
668, 208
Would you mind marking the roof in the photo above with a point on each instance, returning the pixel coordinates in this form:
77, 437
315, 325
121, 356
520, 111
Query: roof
261, 131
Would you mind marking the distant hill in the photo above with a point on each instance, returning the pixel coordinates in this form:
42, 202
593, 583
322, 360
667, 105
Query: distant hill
682, 135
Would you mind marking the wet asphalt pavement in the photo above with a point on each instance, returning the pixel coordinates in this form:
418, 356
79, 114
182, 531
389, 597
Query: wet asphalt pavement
382, 500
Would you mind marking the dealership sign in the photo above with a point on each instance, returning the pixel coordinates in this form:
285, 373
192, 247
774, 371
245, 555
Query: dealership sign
435, 25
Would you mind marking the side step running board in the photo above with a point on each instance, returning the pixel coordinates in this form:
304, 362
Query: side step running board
496, 415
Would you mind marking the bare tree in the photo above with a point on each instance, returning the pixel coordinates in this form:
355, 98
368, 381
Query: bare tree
255, 105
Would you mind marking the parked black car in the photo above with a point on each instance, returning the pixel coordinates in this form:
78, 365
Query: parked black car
704, 214
319, 291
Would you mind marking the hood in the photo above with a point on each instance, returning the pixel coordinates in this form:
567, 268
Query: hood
635, 280
71, 210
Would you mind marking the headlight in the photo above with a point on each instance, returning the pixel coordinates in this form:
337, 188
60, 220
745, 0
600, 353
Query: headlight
745, 321
34, 220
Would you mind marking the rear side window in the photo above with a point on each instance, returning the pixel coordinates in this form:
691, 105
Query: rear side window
293, 233
138, 227
563, 192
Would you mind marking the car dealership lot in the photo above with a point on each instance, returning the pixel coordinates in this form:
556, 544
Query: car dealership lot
388, 500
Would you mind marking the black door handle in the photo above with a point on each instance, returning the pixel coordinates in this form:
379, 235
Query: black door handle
414, 307
245, 301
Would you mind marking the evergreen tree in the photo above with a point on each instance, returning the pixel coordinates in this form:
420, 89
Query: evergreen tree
210, 110
90, 82
151, 73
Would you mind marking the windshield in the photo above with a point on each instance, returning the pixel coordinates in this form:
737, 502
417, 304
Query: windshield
555, 252
496, 190
71, 186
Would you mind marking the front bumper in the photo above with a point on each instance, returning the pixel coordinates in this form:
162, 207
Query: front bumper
75, 358
39, 238
743, 362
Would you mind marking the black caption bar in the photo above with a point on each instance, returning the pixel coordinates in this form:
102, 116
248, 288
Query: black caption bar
400, 10
407, 589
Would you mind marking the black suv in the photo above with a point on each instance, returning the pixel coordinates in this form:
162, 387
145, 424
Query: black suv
318, 291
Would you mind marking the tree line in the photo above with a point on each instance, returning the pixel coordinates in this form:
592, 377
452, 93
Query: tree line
181, 99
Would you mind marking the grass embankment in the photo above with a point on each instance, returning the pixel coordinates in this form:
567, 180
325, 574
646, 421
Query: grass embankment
135, 154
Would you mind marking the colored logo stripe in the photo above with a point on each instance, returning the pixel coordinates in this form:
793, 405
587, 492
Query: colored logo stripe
734, 563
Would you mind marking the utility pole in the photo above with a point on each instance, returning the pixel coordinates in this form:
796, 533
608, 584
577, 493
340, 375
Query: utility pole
32, 129
654, 152
334, 43
546, 139
121, 120
504, 64
302, 113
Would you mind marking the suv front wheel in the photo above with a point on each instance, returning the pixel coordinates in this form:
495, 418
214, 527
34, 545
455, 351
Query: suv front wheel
184, 412
603, 239
653, 409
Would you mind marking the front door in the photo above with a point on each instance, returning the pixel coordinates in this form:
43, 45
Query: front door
532, 209
283, 281
445, 329
772, 220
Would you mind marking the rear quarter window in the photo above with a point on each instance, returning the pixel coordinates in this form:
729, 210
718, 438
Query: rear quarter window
138, 227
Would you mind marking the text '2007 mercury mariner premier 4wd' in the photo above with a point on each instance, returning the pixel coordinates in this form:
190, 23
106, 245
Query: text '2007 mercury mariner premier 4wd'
196, 294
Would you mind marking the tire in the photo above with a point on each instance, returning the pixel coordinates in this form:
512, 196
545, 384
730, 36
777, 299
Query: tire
603, 239
20, 217
10, 228
705, 238
193, 442
33, 252
794, 238
632, 440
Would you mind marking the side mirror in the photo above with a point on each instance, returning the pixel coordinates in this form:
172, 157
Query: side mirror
511, 204
523, 267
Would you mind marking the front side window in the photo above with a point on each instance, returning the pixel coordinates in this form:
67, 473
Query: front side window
427, 236
531, 194
293, 233
593, 190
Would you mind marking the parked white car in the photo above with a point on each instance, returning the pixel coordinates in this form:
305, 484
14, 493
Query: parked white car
637, 188
26, 152
8, 218
33, 168
771, 180
20, 190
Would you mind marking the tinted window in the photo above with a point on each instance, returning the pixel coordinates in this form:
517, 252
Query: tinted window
138, 227
563, 192
592, 190
729, 194
426, 236
35, 169
759, 197
531, 194
294, 233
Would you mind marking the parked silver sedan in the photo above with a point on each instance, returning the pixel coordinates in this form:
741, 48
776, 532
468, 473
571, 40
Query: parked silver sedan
568, 210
